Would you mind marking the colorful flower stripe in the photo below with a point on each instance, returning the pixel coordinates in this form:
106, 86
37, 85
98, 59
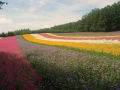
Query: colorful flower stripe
49, 38
80, 38
15, 69
0, 38
51, 34
106, 48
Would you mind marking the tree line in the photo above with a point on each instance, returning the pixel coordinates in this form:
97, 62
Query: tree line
106, 19
2, 3
23, 31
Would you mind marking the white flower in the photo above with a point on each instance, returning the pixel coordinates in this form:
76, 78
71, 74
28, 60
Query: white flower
38, 36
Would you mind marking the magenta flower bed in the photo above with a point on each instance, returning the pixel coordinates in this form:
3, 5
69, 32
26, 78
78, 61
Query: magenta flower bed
15, 70
70, 38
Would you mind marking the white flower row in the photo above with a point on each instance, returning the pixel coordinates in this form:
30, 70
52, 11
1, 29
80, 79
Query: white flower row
51, 34
38, 36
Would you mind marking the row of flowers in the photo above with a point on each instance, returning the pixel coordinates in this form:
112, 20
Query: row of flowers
49, 38
53, 36
100, 45
16, 72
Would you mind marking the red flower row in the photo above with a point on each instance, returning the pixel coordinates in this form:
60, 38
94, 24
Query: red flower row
15, 70
70, 38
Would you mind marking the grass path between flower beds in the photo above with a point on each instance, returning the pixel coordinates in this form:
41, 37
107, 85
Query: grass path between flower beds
16, 72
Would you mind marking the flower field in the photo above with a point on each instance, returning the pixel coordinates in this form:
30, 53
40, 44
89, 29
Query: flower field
105, 44
43, 66
69, 69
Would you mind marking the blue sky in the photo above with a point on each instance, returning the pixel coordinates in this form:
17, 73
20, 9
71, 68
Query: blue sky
36, 14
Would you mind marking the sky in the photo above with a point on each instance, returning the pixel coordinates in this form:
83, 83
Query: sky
36, 14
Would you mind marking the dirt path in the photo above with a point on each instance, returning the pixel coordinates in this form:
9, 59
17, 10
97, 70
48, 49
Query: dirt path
15, 70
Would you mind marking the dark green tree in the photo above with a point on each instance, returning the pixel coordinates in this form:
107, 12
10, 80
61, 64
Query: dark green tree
98, 20
2, 3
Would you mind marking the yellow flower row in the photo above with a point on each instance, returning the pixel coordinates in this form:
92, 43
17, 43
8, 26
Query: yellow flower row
113, 49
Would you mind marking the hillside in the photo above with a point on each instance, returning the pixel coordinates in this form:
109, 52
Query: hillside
98, 20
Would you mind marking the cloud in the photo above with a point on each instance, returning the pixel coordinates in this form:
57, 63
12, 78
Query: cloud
32, 9
29, 16
40, 3
43, 2
5, 21
101, 3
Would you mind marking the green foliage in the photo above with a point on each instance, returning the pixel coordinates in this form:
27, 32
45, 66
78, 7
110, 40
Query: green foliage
98, 20
2, 3
2, 35
17, 32
22, 31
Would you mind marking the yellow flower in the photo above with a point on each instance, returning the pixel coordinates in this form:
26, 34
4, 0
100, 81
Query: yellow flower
111, 48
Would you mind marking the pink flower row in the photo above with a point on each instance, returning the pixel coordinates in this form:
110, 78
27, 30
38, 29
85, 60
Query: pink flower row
15, 69
88, 38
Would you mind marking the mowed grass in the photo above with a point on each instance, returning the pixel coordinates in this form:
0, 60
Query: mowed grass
73, 69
